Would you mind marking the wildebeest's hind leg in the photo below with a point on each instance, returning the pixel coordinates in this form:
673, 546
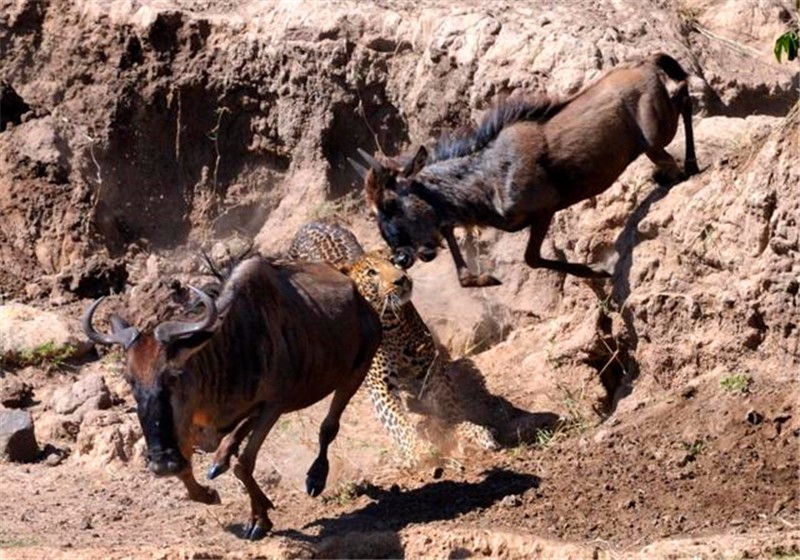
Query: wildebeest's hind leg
229, 446
197, 492
668, 171
690, 165
317, 475
259, 503
538, 231
466, 278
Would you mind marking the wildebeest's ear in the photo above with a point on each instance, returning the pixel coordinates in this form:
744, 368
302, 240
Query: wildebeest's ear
182, 348
123, 331
374, 188
415, 165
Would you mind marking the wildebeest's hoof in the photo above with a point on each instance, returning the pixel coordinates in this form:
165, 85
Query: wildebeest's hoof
487, 280
209, 497
257, 529
204, 495
314, 486
317, 476
215, 470
668, 178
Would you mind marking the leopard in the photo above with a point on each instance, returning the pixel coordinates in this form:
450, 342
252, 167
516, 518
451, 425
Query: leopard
408, 372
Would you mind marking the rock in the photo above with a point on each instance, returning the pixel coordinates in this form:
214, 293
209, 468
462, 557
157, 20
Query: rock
754, 417
108, 436
33, 336
43, 152
627, 504
55, 427
15, 393
54, 456
17, 440
88, 393
95, 277
511, 501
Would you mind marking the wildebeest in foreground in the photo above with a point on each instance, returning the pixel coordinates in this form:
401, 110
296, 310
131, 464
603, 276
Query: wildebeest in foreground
279, 338
529, 159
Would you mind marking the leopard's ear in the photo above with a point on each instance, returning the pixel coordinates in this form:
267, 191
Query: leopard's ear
345, 268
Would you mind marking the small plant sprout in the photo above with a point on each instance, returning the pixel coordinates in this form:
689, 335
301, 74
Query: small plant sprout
544, 438
738, 383
695, 448
346, 492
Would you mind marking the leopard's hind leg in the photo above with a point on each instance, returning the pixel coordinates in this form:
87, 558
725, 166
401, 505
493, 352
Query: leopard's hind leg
441, 398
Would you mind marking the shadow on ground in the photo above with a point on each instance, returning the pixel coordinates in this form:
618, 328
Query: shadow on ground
394, 509
512, 426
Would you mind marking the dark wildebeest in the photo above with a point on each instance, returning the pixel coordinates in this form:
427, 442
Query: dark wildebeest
529, 159
279, 338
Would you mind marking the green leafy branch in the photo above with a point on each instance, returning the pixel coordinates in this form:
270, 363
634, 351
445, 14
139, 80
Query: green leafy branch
788, 43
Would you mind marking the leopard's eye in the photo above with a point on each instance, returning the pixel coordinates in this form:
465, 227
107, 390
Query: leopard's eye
372, 272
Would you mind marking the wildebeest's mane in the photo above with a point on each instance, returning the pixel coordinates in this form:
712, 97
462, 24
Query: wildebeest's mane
505, 113
222, 273
237, 276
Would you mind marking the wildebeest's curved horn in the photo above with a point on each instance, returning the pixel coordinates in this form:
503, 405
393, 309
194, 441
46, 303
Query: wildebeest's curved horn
170, 330
374, 163
360, 169
123, 333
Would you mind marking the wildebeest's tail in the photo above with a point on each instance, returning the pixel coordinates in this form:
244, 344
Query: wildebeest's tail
670, 66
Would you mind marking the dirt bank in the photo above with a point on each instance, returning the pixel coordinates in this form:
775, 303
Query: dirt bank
144, 131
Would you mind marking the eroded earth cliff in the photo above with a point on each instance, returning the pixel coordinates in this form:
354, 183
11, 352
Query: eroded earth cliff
140, 132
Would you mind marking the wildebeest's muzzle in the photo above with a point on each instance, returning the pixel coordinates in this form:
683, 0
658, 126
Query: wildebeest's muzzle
163, 462
403, 257
155, 416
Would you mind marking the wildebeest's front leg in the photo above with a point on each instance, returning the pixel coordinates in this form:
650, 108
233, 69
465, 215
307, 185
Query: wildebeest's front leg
533, 258
466, 278
229, 446
259, 503
317, 475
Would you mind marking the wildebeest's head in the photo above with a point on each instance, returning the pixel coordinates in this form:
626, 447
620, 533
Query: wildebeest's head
155, 361
408, 221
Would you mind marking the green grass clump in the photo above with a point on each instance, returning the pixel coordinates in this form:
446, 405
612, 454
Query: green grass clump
738, 383
46, 354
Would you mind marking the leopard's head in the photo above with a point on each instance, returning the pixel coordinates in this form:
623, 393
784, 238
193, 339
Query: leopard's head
384, 285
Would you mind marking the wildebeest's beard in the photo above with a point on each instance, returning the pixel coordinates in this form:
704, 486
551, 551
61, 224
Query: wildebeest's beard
155, 416
409, 226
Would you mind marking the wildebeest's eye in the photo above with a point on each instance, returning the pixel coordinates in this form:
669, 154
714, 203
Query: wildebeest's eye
170, 376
